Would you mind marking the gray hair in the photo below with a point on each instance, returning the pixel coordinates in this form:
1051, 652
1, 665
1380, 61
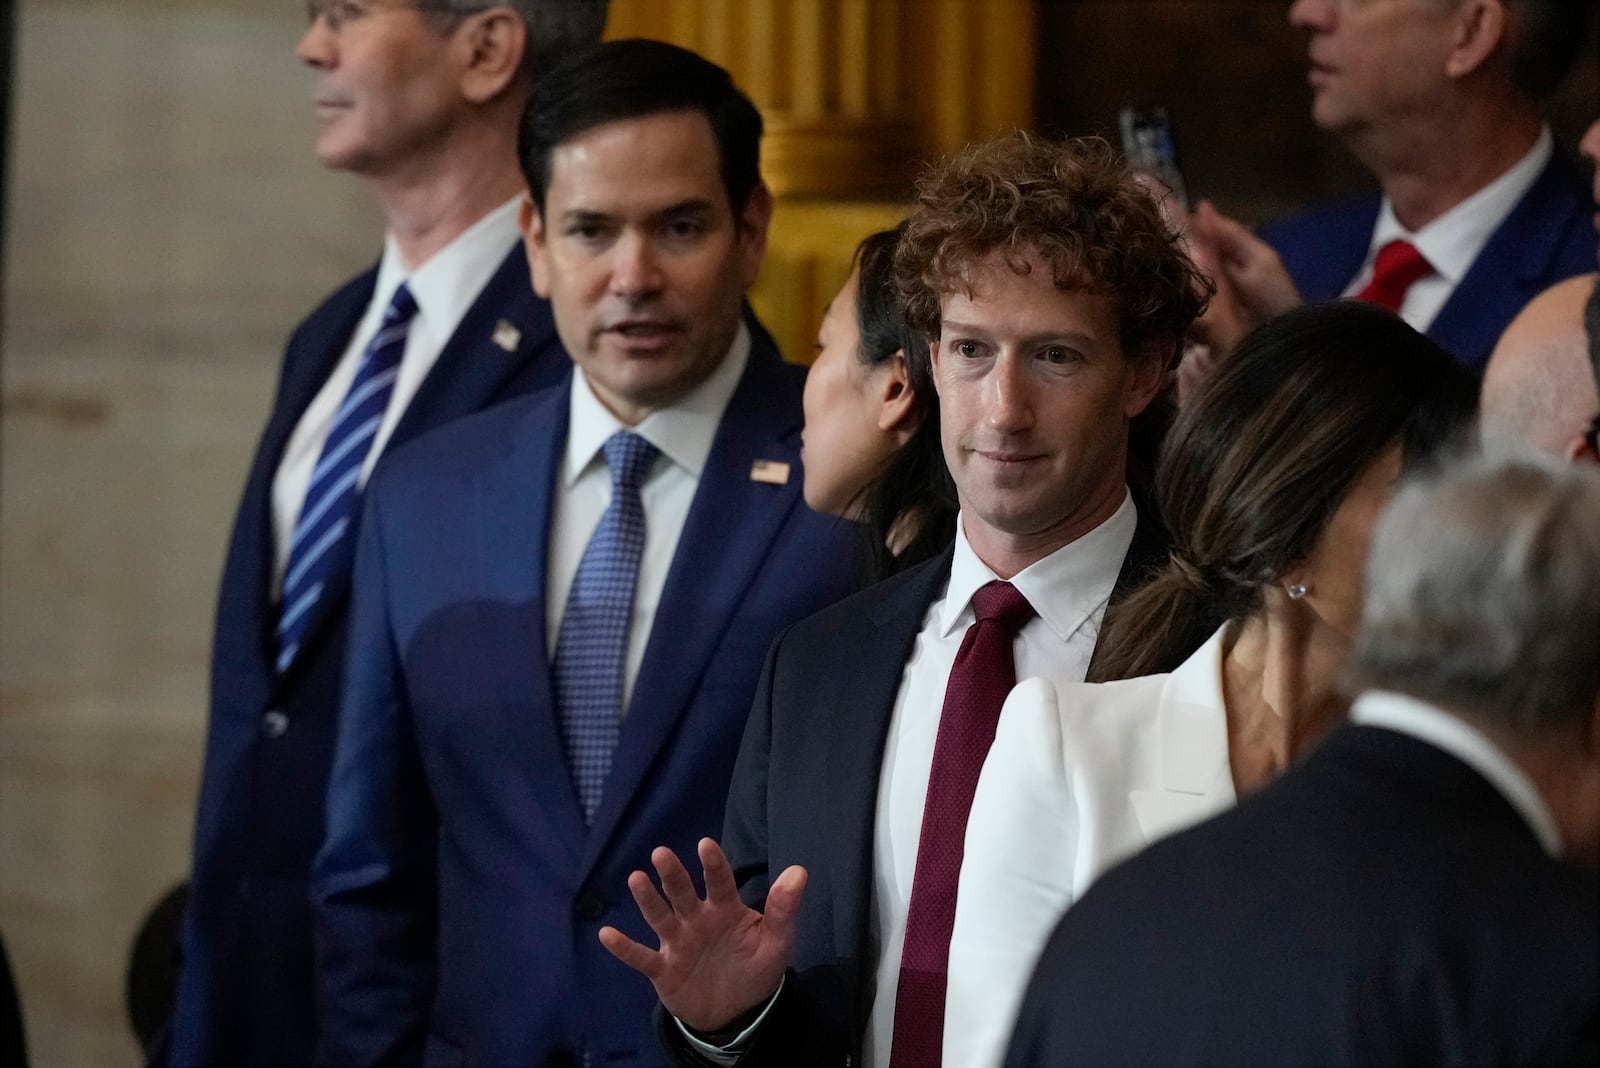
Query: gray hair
1483, 594
555, 27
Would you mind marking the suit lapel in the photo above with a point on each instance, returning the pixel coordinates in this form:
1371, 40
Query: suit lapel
471, 370
866, 683
1192, 738
1323, 269
726, 536
1511, 268
510, 528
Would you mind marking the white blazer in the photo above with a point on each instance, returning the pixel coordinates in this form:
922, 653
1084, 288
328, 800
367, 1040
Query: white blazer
1080, 777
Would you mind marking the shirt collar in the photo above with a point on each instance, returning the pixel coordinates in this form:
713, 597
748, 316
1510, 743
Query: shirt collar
449, 281
682, 431
1452, 242
1066, 588
1407, 715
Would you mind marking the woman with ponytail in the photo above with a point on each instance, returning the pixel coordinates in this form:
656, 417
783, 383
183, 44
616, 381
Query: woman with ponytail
1270, 480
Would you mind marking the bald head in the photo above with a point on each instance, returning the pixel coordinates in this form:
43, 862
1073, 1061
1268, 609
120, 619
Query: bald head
1539, 390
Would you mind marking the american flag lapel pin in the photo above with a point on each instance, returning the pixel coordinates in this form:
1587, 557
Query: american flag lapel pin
506, 335
772, 472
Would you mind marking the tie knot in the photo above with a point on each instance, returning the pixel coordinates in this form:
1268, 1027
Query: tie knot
402, 306
1400, 263
629, 456
1001, 602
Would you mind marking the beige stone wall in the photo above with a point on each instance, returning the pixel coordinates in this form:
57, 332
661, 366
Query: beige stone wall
167, 226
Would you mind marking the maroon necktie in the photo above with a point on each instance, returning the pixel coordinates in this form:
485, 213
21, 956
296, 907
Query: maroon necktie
1397, 266
983, 673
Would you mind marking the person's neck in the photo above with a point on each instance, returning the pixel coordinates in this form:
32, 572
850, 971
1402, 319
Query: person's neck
1567, 776
1007, 553
1280, 688
1440, 160
431, 202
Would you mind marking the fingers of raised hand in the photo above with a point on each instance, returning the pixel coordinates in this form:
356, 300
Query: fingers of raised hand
721, 890
639, 957
675, 882
657, 912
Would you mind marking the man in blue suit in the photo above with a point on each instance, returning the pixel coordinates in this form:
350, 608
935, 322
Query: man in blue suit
422, 102
562, 605
1442, 100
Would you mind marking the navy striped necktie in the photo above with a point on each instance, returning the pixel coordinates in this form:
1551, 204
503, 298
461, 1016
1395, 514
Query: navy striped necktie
335, 488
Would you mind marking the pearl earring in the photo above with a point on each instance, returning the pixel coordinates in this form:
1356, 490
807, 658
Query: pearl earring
1295, 590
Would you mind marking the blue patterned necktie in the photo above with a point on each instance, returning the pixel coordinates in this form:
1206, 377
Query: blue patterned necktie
335, 487
593, 643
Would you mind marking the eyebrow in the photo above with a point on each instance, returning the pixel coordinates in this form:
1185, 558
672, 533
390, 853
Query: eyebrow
1074, 337
691, 206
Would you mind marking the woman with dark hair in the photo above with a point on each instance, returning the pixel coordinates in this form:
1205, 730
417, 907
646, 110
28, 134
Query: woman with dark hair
871, 442
1271, 480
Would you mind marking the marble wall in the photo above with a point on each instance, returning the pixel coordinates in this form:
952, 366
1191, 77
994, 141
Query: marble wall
167, 224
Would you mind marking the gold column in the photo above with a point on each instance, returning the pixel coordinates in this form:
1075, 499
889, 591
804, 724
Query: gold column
857, 95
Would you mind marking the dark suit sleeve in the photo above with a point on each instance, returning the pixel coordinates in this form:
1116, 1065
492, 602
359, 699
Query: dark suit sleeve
374, 884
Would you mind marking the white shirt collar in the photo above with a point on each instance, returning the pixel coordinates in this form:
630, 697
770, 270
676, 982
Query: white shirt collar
1066, 588
1407, 715
683, 431
1452, 242
448, 282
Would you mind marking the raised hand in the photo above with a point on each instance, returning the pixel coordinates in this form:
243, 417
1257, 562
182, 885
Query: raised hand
718, 958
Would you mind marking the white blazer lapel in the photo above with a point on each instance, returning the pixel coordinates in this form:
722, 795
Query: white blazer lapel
1192, 735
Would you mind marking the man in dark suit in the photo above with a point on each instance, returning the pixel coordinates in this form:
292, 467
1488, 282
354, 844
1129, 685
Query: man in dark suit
422, 102
1442, 100
1422, 890
1050, 331
550, 676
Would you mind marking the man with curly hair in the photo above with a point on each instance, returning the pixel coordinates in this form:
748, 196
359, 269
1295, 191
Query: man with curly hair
1054, 299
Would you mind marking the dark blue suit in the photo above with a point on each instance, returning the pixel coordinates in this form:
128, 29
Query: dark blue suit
459, 894
1549, 236
245, 992
1380, 903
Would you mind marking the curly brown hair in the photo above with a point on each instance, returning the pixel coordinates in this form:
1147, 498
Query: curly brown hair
1076, 204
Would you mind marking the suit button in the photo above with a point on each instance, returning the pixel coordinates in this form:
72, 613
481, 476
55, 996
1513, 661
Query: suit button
274, 724
563, 1058
590, 906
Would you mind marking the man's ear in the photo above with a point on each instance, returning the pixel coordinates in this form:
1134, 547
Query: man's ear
1481, 26
493, 43
1577, 451
1147, 374
896, 399
531, 220
754, 222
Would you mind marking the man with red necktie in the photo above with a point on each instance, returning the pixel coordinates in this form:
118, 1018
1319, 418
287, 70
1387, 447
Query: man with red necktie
1442, 100
1054, 297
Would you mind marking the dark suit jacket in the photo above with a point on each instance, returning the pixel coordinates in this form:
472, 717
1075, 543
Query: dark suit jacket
1549, 236
1381, 903
459, 894
244, 995
805, 792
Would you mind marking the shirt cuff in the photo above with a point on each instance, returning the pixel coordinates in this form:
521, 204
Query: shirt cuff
728, 1055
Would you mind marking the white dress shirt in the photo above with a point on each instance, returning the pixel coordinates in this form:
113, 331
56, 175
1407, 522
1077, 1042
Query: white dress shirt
1422, 721
683, 432
444, 287
1069, 590
1452, 242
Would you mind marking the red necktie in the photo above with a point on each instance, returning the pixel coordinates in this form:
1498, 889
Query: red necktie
1398, 265
983, 673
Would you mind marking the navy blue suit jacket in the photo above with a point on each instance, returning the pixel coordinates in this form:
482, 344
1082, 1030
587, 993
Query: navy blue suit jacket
1549, 236
245, 989
1381, 903
459, 894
